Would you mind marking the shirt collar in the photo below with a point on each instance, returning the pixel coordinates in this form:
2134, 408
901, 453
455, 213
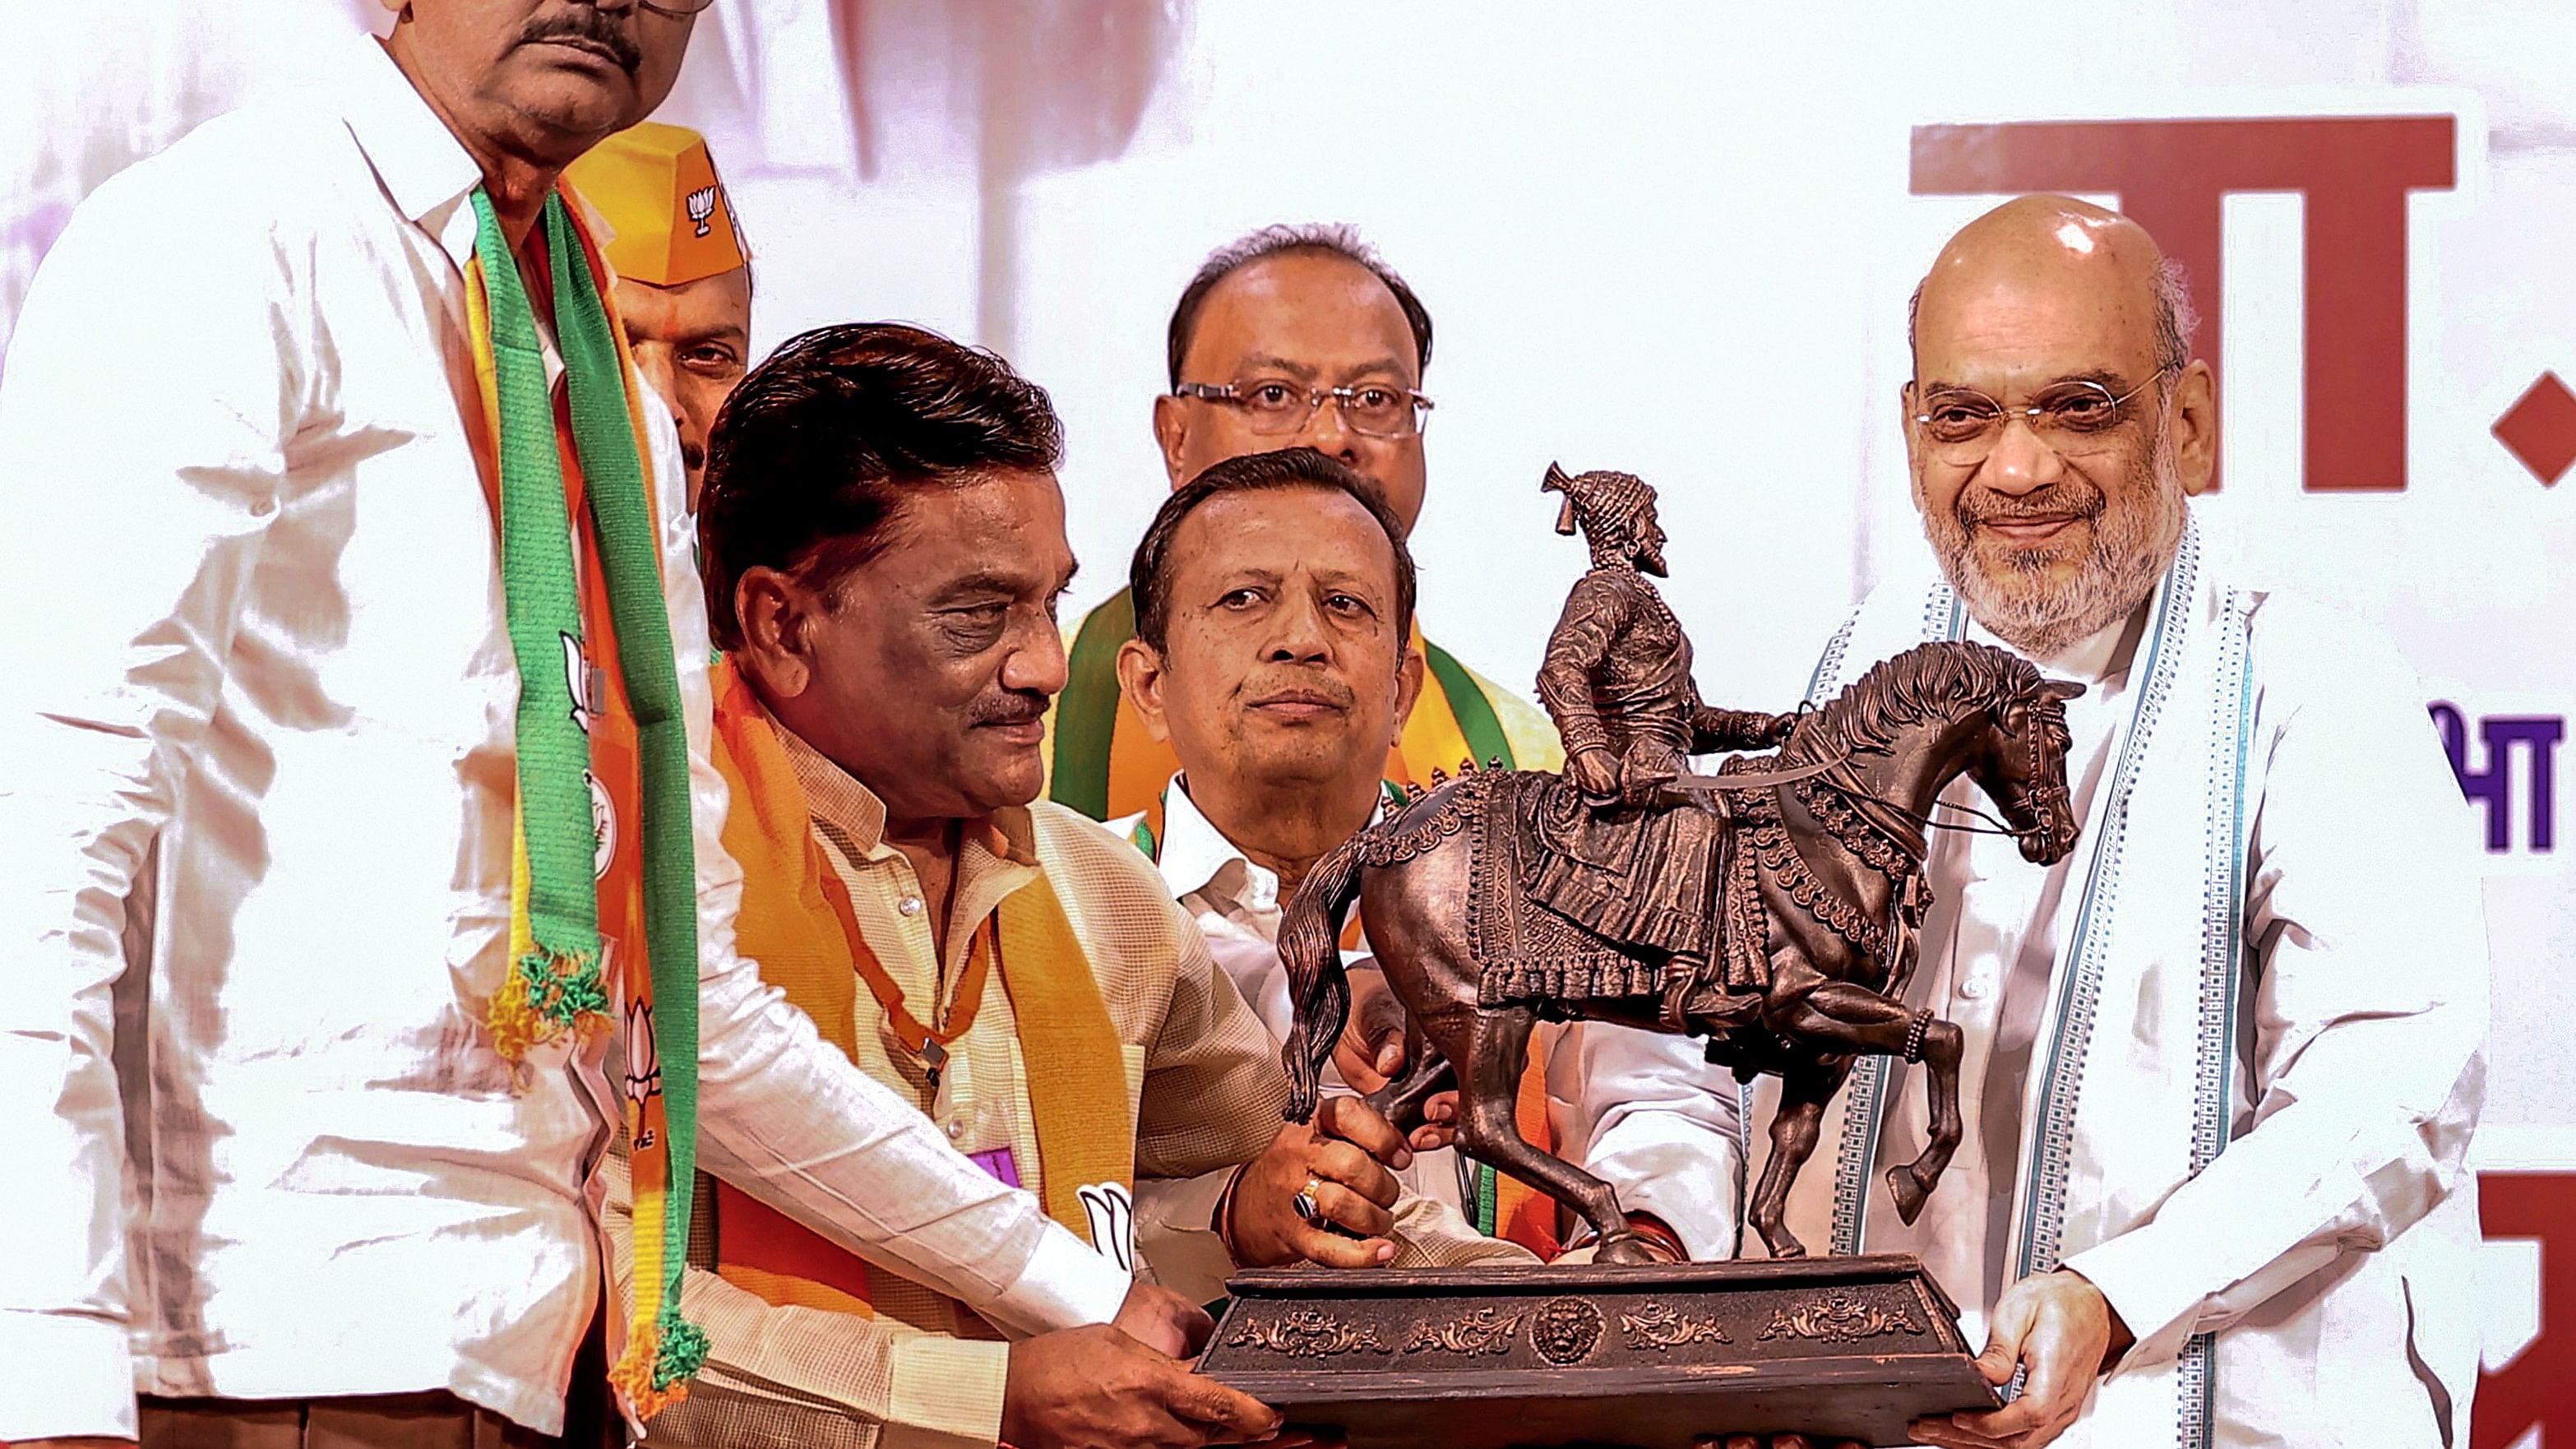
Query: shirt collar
1195, 854
836, 797
424, 169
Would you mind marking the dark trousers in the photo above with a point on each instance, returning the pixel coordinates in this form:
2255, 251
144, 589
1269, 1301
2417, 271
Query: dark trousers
433, 1420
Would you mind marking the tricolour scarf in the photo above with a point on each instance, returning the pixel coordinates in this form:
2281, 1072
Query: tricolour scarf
798, 923
602, 749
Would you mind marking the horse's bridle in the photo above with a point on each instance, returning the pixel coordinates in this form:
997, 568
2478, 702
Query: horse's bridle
2042, 798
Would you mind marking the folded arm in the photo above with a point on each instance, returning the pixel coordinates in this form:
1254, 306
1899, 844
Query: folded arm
1596, 610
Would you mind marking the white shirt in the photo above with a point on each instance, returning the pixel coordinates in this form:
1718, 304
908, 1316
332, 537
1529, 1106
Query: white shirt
1655, 1121
2228, 1062
258, 708
1989, 957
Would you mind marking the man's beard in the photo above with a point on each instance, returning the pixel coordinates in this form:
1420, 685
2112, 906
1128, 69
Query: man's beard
2131, 548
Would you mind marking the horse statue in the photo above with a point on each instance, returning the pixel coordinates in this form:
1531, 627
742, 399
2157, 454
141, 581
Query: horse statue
1820, 890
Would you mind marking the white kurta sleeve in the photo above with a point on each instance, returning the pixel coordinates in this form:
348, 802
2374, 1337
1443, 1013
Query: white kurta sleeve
1259, 976
1655, 1121
790, 1120
2369, 1006
149, 388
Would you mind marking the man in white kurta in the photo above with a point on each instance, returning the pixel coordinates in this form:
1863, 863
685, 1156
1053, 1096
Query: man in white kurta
2222, 1063
1274, 601
259, 718
1639, 1110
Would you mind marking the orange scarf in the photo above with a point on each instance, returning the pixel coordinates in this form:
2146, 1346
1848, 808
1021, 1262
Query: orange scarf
796, 921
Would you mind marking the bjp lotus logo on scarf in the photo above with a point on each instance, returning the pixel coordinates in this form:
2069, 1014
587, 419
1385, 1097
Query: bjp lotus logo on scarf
643, 1058
581, 682
702, 206
1111, 1212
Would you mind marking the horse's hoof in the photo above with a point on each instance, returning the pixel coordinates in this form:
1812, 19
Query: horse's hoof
1907, 1187
1787, 1247
1626, 1248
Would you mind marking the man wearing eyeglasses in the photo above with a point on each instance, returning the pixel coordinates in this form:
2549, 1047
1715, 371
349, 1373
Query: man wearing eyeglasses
1299, 336
1291, 336
2222, 1064
360, 795
1305, 336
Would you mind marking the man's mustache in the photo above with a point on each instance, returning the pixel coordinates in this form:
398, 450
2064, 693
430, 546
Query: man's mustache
1319, 686
1018, 707
2087, 505
583, 22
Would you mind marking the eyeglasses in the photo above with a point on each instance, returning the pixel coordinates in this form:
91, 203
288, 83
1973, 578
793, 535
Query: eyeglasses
1275, 406
2073, 418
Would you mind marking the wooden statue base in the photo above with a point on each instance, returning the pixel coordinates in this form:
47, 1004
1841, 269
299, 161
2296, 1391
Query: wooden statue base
1483, 1358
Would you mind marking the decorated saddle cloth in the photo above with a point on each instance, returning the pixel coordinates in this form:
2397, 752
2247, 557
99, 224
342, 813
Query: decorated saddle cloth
1644, 875
1524, 951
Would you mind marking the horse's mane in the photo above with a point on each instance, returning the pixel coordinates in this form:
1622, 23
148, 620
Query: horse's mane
1937, 682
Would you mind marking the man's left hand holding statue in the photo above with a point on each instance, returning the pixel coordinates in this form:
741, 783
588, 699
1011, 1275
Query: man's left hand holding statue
1322, 1193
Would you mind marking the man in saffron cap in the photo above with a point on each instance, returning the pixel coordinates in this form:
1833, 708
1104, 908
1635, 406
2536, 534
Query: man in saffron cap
360, 792
683, 271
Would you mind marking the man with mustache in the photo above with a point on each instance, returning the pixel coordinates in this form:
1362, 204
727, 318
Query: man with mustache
1292, 336
1274, 601
2222, 1064
1305, 336
884, 542
683, 273
360, 795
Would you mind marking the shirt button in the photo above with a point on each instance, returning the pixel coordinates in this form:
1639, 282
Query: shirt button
956, 1130
909, 905
1975, 987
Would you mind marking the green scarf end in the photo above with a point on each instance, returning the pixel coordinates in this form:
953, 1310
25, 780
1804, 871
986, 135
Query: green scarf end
549, 993
682, 1351
563, 986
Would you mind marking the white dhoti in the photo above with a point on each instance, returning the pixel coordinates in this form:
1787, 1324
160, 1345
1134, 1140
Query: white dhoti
2254, 1008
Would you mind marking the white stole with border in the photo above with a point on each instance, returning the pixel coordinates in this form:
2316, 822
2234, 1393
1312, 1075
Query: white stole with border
2135, 1085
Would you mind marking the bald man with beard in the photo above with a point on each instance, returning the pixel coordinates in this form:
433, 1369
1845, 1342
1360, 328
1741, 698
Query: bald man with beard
2222, 1064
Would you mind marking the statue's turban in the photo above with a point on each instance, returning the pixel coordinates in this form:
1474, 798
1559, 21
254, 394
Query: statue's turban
1606, 502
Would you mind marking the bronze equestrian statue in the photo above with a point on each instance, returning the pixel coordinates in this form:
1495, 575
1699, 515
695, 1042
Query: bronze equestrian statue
1770, 908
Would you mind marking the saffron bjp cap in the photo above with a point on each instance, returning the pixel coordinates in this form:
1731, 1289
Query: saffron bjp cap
669, 219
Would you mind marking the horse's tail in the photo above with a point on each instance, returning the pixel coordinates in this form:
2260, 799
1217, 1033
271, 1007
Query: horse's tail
1310, 946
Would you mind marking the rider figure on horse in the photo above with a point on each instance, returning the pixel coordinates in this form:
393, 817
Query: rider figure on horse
1629, 859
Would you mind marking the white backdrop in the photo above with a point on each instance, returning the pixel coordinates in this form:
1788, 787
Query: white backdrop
1674, 239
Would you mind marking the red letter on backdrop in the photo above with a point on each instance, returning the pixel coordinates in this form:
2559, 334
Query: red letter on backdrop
2169, 175
2534, 1388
